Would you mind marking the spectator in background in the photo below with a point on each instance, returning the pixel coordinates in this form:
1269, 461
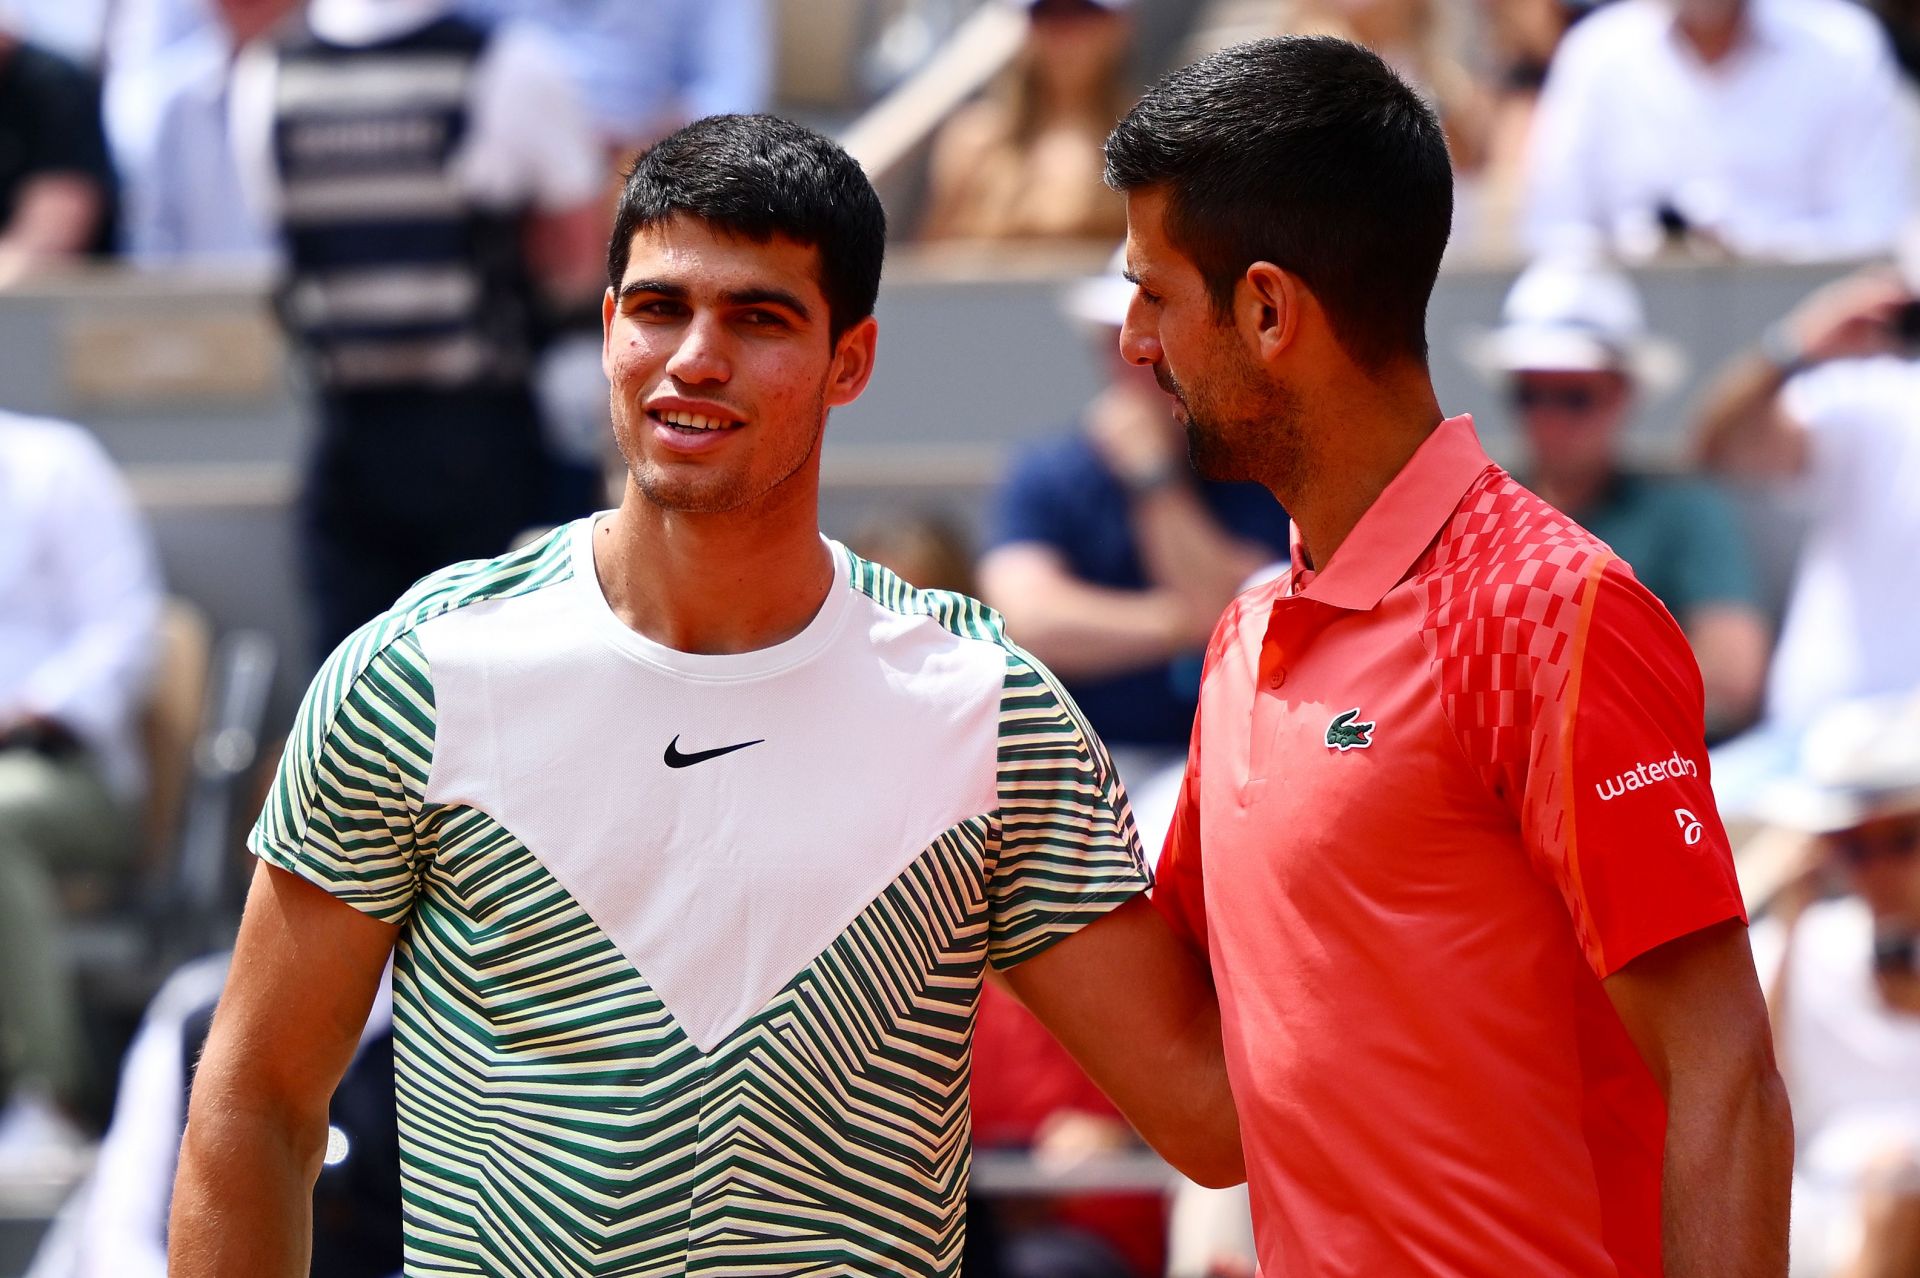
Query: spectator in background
646, 69
183, 190
1757, 128
428, 177
114, 1225
1024, 162
57, 191
1111, 561
1838, 954
1833, 399
79, 607
1573, 355
1411, 36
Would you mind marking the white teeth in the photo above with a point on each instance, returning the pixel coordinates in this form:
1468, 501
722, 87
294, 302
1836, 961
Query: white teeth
692, 421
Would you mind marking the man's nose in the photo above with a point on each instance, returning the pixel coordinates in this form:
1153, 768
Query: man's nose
1139, 339
701, 355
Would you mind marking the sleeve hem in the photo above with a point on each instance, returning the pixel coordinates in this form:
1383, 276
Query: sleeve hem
1057, 925
1622, 951
290, 860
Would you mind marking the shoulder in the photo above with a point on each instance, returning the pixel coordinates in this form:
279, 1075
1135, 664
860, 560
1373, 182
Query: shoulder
1886, 387
51, 449
519, 54
394, 634
1505, 553
961, 616
1610, 33
1837, 31
1513, 588
1066, 458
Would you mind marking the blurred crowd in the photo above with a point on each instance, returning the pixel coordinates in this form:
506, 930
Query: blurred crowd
429, 181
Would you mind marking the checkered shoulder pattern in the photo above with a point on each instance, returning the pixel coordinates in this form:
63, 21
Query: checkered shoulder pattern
1510, 585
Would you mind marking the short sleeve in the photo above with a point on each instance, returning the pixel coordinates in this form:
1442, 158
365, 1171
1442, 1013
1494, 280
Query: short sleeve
1030, 505
1615, 801
1065, 851
345, 809
69, 138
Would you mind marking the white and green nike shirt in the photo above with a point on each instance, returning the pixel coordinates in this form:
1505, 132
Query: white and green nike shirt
692, 944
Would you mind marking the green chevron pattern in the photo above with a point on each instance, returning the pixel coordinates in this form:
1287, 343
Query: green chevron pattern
555, 1120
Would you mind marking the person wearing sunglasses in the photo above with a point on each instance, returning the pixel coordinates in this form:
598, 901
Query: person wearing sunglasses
1839, 951
1573, 356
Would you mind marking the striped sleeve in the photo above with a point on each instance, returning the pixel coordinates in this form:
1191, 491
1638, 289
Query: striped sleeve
345, 808
1067, 851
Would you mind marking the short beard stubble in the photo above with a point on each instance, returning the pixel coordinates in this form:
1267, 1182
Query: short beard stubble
712, 495
1243, 427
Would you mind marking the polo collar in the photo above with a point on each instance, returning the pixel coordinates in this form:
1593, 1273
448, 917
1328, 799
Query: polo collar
1401, 523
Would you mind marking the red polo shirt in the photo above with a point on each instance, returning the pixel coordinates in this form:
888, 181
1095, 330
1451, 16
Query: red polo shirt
1436, 793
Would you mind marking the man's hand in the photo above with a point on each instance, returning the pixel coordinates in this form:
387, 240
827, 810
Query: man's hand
304, 975
1851, 318
1136, 435
1693, 1008
1137, 1010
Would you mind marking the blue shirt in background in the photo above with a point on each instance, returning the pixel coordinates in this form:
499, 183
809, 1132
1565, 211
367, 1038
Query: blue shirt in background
1061, 494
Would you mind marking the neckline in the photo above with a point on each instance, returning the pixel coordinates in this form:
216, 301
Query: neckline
813, 639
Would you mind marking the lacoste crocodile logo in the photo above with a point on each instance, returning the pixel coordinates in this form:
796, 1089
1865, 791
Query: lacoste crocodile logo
1343, 734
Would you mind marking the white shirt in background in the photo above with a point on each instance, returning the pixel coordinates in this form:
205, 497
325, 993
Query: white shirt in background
182, 196
1852, 624
1798, 145
1852, 1069
79, 591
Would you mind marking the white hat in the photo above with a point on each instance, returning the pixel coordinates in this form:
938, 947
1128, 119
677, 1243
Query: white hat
1575, 315
1858, 762
1102, 300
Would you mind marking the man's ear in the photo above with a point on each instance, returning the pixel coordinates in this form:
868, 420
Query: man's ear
1267, 308
852, 362
608, 304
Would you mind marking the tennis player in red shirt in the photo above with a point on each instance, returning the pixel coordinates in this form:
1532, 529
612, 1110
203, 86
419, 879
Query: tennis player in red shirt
1446, 834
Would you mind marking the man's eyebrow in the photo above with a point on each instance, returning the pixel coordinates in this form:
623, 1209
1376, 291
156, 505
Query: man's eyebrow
768, 297
659, 287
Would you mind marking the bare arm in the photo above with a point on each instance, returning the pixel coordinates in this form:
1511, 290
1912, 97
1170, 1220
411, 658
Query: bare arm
1730, 642
1082, 631
1742, 430
55, 215
1693, 1008
1137, 1010
305, 972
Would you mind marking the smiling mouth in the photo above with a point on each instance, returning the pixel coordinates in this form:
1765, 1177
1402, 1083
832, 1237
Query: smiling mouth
693, 423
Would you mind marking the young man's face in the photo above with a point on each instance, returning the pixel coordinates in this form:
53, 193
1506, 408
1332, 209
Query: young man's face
722, 367
1238, 422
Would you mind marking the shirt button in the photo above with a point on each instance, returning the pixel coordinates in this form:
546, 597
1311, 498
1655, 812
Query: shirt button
1277, 677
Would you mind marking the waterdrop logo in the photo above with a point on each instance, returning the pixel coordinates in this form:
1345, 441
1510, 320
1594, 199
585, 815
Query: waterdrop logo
1690, 828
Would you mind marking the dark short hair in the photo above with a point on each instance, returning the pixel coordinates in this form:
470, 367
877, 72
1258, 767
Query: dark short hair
757, 177
1307, 152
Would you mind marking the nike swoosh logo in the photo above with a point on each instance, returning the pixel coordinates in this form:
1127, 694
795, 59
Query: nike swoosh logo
675, 759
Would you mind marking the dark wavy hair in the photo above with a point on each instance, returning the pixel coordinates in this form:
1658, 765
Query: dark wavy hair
757, 177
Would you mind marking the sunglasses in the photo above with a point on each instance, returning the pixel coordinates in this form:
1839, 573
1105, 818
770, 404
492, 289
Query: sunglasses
1564, 399
1049, 10
1858, 848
